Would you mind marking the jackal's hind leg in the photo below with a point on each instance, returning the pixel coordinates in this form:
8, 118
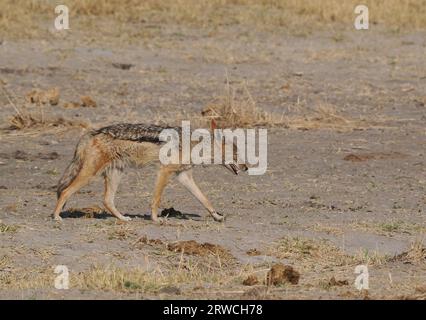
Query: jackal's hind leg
187, 180
79, 182
162, 180
112, 180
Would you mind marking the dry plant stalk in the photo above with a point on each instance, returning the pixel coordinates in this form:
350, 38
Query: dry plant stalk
231, 111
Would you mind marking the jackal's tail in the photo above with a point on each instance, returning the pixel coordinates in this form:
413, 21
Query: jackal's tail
76, 164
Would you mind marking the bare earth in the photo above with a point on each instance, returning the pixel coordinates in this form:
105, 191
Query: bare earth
333, 197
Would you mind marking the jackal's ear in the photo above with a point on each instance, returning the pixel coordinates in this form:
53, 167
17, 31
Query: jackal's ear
213, 124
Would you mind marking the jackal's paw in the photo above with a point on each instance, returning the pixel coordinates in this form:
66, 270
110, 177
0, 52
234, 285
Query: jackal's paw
158, 220
123, 218
57, 218
218, 216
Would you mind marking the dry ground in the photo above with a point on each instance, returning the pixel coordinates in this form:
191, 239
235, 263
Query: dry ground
346, 175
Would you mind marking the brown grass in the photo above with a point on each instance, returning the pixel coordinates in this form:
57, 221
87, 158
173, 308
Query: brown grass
38, 96
237, 109
291, 15
30, 121
415, 254
186, 273
29, 118
308, 254
326, 116
232, 111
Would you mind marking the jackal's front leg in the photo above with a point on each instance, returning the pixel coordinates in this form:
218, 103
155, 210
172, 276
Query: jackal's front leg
187, 180
162, 180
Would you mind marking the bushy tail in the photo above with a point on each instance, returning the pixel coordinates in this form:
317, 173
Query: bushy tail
76, 164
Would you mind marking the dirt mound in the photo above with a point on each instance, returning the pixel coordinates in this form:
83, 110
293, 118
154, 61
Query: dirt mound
145, 240
253, 252
192, 247
122, 66
280, 274
189, 247
337, 283
251, 280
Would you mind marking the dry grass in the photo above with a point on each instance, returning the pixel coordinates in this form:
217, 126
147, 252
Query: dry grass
293, 15
8, 228
5, 262
415, 254
29, 121
33, 118
38, 96
326, 116
309, 254
187, 273
391, 227
313, 251
232, 111
237, 108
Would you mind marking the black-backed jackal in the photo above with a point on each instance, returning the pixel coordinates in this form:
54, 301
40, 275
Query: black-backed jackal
109, 150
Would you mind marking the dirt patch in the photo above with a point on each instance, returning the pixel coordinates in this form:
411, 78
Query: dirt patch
253, 252
122, 66
189, 247
280, 274
251, 280
333, 282
146, 240
361, 157
192, 247
71, 105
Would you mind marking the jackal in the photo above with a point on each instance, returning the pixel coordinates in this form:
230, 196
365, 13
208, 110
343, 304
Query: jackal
109, 150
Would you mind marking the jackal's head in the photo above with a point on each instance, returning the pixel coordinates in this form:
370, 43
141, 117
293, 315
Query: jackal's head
234, 165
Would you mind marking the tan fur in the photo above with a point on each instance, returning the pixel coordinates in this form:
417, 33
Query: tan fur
99, 152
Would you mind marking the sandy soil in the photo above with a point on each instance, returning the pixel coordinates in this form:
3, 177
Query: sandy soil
339, 197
